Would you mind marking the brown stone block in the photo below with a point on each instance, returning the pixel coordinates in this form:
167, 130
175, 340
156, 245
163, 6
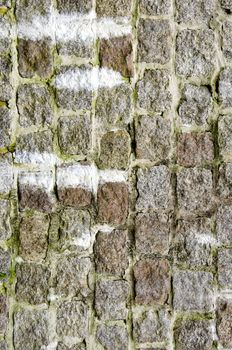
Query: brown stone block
75, 197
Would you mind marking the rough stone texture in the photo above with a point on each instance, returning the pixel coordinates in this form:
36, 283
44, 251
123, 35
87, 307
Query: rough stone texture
194, 189
75, 134
5, 120
153, 91
153, 138
227, 41
224, 324
35, 58
5, 229
6, 173
113, 106
115, 150
154, 188
34, 105
32, 283
226, 5
195, 53
225, 87
30, 329
3, 345
62, 346
72, 276
224, 268
194, 335
224, 134
113, 8
154, 39
224, 224
225, 180
3, 314
111, 299
117, 54
195, 106
72, 319
193, 242
27, 9
112, 337
152, 326
152, 232
112, 199
195, 11
155, 7
151, 281
5, 263
193, 290
33, 237
83, 6
195, 149
78, 197
111, 253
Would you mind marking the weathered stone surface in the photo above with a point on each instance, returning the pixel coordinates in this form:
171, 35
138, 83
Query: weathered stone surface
115, 150
33, 237
153, 138
112, 337
35, 58
32, 283
62, 346
70, 6
75, 232
112, 199
5, 229
31, 330
77, 47
194, 335
225, 88
224, 134
5, 120
193, 290
224, 322
154, 41
152, 232
34, 105
195, 148
195, 189
151, 326
5, 39
116, 54
72, 276
70, 99
3, 314
5, 263
224, 268
111, 299
226, 5
35, 148
224, 224
110, 251
5, 3
225, 180
151, 281
195, 106
5, 69
154, 188
226, 40
28, 9
74, 134
195, 11
153, 91
78, 197
193, 242
3, 345
195, 53
72, 319
155, 7
113, 106
113, 8
6, 173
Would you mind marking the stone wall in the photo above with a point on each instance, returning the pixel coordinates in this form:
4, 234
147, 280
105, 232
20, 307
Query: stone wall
115, 174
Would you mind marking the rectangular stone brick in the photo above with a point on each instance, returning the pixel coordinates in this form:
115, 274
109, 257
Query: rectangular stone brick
5, 229
224, 135
4, 314
224, 268
5, 84
32, 283
194, 11
152, 281
112, 337
111, 299
224, 322
226, 40
5, 131
155, 7
112, 8
154, 188
28, 9
224, 224
225, 88
153, 91
6, 173
193, 290
154, 41
111, 252
70, 6
225, 180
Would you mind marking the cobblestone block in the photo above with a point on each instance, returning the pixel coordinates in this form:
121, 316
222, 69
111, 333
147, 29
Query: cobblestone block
224, 224
155, 7
224, 268
225, 88
195, 11
224, 324
112, 8
112, 337
4, 313
224, 134
225, 180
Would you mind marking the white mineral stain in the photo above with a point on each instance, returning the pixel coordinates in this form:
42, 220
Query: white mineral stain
36, 158
37, 179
